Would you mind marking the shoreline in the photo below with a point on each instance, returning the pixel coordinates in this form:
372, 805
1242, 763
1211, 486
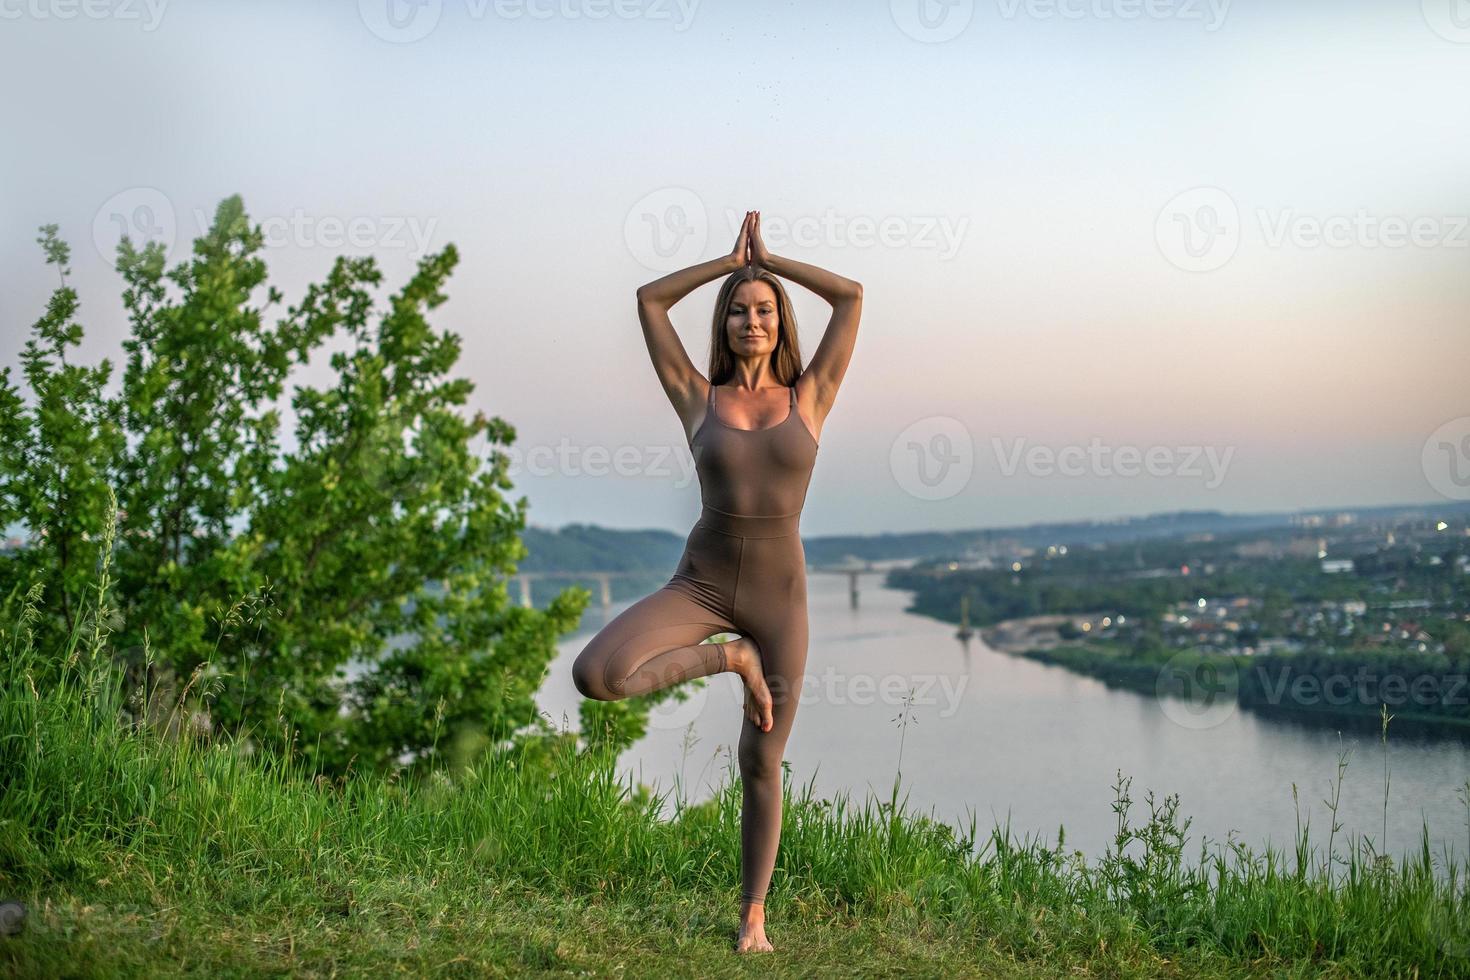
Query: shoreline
1036, 638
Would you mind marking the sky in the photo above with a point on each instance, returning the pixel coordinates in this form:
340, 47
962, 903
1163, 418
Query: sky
1119, 257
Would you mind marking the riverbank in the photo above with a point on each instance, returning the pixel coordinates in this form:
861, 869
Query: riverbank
1039, 638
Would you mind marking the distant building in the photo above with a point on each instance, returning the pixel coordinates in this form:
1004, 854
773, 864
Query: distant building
1264, 548
1275, 644
1307, 547
1334, 565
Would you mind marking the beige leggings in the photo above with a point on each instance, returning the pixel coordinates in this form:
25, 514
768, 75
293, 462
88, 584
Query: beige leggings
744, 575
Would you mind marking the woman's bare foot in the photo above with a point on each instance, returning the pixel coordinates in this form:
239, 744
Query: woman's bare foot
752, 937
743, 657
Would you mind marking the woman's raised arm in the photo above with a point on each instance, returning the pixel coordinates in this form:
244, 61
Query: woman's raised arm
682, 381
828, 365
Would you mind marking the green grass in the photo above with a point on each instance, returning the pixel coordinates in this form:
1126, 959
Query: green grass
144, 855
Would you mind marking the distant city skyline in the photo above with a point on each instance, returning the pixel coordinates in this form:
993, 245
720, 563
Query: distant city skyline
1115, 264
1309, 517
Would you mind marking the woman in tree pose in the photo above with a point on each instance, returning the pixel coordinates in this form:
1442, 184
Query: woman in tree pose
753, 428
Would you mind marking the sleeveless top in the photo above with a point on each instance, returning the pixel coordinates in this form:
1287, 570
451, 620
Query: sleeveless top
754, 472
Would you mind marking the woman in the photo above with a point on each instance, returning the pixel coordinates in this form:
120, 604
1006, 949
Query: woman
753, 428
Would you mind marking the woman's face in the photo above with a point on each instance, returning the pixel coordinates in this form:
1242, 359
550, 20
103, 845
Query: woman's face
753, 325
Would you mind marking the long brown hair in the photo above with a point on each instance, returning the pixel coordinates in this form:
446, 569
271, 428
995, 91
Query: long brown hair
785, 359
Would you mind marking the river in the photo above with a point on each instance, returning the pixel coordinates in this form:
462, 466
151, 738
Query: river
1012, 740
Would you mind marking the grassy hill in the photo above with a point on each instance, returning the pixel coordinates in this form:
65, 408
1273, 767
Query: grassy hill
139, 852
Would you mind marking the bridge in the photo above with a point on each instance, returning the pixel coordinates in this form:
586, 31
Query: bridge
853, 570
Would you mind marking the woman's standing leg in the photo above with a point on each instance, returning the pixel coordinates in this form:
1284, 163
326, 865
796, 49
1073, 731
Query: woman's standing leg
770, 607
784, 657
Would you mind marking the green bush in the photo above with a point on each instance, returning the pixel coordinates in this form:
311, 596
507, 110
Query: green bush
384, 535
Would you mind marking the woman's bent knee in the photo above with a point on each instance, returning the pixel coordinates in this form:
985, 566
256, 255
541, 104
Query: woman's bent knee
589, 674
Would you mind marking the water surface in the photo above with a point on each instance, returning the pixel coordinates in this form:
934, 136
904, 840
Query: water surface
1011, 739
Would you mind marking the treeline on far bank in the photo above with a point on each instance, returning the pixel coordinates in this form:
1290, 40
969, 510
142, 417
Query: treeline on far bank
1345, 684
1421, 692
